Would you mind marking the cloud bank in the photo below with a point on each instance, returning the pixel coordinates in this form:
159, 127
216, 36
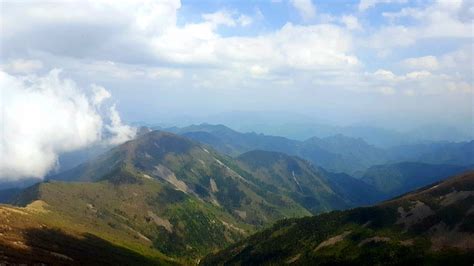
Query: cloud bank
44, 116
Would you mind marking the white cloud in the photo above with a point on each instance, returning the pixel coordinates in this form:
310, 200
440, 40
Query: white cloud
120, 132
222, 17
442, 19
130, 35
22, 66
227, 18
385, 74
425, 62
422, 82
366, 4
306, 8
244, 20
292, 47
351, 22
418, 74
43, 116
100, 94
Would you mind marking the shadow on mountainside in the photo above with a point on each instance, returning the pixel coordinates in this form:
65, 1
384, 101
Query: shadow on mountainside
54, 247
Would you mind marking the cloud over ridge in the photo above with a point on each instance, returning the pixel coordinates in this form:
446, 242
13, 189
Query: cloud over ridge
44, 116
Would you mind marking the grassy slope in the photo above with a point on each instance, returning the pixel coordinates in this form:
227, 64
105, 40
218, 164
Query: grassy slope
34, 234
197, 167
437, 231
293, 177
147, 217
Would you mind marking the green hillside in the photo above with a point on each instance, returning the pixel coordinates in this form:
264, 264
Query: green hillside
432, 226
313, 188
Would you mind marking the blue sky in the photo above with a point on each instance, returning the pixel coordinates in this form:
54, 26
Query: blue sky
102, 64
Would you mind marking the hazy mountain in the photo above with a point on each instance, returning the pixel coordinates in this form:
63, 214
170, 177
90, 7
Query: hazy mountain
457, 153
399, 178
233, 143
354, 154
336, 153
432, 226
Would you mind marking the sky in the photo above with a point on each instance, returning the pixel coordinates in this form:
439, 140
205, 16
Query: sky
74, 73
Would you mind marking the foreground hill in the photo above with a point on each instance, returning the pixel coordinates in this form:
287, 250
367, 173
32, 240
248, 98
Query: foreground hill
433, 226
36, 235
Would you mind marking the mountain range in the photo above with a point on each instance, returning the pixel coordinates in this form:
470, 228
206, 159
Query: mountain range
164, 198
165, 195
337, 153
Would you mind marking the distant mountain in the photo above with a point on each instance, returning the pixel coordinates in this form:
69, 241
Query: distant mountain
6, 195
314, 189
432, 226
456, 153
440, 133
354, 154
336, 153
234, 143
399, 178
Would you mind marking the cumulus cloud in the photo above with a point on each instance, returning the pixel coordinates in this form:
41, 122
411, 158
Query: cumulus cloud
222, 17
44, 116
227, 18
442, 19
100, 94
306, 8
126, 35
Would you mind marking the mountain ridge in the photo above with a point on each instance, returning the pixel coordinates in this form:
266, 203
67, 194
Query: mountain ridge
430, 226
